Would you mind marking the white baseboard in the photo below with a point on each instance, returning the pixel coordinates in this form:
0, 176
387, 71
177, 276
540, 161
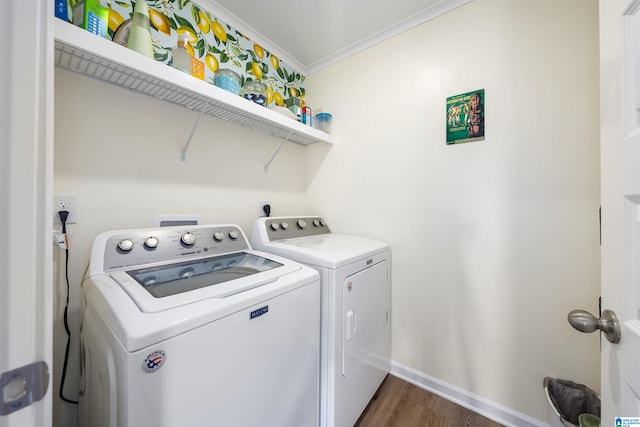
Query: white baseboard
464, 398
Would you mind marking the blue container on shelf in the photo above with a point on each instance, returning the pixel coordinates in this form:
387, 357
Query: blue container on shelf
323, 122
62, 10
227, 80
255, 91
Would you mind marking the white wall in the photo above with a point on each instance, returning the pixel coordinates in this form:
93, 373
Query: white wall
493, 242
119, 153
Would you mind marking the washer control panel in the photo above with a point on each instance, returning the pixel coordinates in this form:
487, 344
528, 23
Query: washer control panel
131, 248
279, 228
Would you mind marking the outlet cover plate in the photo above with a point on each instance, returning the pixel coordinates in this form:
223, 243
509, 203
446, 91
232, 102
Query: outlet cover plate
65, 202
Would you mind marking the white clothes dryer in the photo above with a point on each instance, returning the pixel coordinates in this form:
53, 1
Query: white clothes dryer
188, 326
356, 302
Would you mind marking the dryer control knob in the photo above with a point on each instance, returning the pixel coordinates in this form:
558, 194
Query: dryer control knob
301, 223
188, 238
284, 225
233, 234
274, 226
218, 236
322, 222
316, 223
125, 245
151, 242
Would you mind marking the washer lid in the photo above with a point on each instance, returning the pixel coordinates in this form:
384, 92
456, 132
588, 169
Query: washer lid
325, 250
161, 287
165, 280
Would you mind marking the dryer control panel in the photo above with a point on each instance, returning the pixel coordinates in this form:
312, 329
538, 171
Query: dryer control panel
133, 248
279, 228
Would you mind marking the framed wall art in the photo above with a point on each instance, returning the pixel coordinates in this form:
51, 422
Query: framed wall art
465, 117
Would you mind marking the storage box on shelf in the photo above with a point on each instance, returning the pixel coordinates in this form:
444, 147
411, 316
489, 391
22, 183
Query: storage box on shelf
80, 51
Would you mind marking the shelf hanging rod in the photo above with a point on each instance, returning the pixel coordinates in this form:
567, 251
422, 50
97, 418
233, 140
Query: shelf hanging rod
183, 154
266, 167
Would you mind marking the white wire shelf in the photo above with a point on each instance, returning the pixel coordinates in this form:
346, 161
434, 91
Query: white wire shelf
85, 53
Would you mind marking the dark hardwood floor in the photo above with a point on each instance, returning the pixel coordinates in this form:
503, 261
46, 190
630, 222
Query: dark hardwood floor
401, 404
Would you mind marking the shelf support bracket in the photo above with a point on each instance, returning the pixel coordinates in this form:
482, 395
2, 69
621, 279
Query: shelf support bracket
183, 153
266, 167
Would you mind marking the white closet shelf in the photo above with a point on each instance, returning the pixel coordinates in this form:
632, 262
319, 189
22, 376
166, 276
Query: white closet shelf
85, 53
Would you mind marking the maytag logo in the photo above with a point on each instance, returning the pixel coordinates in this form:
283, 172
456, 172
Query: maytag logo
259, 312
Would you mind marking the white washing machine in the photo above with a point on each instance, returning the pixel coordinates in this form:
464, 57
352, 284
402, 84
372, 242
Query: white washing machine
190, 327
356, 302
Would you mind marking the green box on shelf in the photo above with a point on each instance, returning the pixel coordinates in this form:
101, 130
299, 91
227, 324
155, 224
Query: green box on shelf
91, 16
294, 105
293, 101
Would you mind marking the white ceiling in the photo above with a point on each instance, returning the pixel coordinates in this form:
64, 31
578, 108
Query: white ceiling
310, 35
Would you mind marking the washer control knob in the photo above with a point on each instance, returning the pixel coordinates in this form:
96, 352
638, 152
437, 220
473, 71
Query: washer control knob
301, 223
284, 225
316, 223
321, 222
188, 238
274, 226
151, 242
218, 236
233, 234
125, 245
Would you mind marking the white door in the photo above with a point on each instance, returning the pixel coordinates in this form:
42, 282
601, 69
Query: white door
26, 172
620, 150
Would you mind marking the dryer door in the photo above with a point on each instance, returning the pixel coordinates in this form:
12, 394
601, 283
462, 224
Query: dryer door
366, 329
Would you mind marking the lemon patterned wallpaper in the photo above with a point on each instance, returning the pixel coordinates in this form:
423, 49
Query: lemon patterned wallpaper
212, 42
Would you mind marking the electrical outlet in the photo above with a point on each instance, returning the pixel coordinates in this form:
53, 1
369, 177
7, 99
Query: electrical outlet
65, 203
262, 204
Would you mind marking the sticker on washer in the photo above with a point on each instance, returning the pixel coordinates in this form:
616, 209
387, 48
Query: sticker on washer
154, 361
259, 312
